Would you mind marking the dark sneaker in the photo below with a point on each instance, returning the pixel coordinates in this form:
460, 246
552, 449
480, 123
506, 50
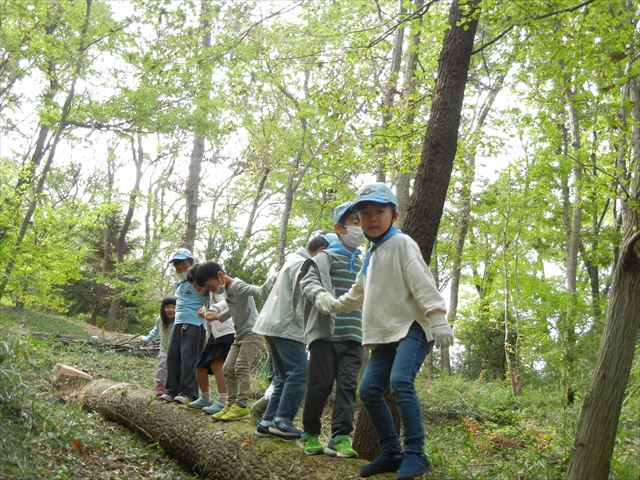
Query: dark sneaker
340, 446
385, 462
262, 429
283, 428
413, 465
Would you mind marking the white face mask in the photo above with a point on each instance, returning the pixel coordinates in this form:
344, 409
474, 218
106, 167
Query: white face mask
182, 275
354, 236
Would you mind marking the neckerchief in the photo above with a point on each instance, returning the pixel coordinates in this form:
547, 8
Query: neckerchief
375, 244
340, 248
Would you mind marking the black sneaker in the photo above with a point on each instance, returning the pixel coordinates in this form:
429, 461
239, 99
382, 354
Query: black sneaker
385, 462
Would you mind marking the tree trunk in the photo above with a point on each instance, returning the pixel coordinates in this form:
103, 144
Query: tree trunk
596, 433
389, 95
138, 158
215, 450
365, 439
440, 142
403, 179
197, 153
465, 209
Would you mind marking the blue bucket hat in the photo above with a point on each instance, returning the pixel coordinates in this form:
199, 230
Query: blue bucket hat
181, 254
377, 193
341, 211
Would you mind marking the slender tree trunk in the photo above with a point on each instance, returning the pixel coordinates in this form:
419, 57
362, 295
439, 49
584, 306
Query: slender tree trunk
389, 95
596, 433
62, 123
138, 158
197, 153
403, 178
440, 142
465, 209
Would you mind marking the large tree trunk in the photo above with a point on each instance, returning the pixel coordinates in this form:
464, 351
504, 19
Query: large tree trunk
216, 450
440, 142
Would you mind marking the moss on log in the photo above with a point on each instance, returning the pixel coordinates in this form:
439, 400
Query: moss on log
223, 451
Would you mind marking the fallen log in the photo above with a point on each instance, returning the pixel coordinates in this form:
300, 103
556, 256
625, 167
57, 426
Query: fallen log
218, 450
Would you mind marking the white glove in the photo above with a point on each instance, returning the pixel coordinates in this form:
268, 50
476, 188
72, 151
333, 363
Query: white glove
326, 303
443, 335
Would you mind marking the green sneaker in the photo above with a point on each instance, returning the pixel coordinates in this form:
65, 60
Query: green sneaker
311, 444
218, 416
340, 446
236, 412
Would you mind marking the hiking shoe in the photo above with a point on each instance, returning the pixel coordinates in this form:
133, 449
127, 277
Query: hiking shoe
215, 407
218, 416
340, 446
166, 397
201, 402
385, 462
262, 429
181, 399
311, 444
236, 412
413, 465
283, 428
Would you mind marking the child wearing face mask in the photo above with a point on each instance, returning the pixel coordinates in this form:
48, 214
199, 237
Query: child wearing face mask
334, 341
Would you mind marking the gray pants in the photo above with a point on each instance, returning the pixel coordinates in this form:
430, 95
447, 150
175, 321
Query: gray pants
237, 368
185, 344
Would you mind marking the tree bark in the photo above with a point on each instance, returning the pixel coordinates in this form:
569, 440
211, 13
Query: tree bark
138, 159
440, 142
596, 433
390, 93
197, 153
216, 450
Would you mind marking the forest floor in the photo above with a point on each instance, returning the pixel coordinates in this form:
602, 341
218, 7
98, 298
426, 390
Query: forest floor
475, 429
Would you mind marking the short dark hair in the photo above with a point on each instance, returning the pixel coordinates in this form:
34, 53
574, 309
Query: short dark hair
207, 271
168, 300
317, 243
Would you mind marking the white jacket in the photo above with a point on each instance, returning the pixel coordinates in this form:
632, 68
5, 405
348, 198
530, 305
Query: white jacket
397, 290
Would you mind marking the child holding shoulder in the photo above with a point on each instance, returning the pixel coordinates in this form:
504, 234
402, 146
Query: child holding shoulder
335, 343
241, 306
188, 334
162, 328
403, 315
284, 332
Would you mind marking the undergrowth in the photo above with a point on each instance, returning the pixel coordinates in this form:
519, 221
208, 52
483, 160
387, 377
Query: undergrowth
475, 429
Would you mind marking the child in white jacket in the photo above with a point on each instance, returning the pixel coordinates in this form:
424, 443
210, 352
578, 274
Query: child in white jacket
403, 315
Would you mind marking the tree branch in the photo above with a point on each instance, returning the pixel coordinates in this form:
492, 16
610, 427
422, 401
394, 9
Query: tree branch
535, 17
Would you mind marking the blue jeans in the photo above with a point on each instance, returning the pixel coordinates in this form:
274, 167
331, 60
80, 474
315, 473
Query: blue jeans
289, 377
396, 364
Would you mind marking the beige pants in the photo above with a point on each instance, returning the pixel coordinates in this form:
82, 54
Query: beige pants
237, 368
